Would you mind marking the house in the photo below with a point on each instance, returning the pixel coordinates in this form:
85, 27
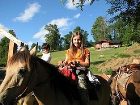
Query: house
115, 44
107, 44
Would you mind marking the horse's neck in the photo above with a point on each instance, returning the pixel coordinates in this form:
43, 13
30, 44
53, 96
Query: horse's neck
46, 90
47, 94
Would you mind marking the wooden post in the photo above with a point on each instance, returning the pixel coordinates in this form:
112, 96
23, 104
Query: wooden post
12, 50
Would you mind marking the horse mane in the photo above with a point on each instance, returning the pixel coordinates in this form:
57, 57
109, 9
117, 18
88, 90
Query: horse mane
21, 56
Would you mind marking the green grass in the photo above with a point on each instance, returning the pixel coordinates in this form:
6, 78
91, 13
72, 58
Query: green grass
97, 57
57, 56
137, 51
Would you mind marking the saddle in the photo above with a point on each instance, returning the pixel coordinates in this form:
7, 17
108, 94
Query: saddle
71, 74
93, 89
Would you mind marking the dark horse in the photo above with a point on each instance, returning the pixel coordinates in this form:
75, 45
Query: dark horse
26, 73
126, 85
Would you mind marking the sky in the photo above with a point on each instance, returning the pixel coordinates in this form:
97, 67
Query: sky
28, 17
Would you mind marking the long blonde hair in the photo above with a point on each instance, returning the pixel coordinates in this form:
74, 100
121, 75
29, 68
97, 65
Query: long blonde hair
72, 47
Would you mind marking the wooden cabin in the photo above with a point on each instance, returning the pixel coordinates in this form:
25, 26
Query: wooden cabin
107, 44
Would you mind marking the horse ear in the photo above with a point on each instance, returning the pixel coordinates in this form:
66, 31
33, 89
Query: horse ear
33, 51
23, 48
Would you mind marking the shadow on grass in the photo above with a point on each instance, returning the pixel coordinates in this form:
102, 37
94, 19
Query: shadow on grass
97, 62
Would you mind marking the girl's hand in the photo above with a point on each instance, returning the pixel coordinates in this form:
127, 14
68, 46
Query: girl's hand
75, 64
60, 64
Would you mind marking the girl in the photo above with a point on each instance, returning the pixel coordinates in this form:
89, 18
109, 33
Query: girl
46, 52
79, 56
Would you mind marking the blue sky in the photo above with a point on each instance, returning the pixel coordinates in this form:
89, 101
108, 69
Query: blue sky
28, 17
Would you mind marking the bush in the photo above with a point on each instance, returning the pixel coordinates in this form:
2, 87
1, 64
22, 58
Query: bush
124, 55
108, 72
137, 51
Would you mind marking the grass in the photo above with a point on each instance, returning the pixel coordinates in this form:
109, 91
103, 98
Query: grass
97, 57
137, 51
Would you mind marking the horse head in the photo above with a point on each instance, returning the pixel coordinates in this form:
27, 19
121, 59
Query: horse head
18, 77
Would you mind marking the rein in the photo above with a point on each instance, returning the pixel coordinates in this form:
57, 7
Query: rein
25, 91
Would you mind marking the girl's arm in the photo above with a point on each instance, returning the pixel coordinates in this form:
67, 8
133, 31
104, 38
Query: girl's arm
86, 63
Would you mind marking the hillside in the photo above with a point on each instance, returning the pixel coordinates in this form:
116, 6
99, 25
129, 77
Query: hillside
129, 54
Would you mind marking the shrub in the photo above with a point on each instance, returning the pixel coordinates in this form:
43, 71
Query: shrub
137, 51
124, 55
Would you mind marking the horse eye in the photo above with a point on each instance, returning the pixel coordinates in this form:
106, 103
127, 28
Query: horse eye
22, 71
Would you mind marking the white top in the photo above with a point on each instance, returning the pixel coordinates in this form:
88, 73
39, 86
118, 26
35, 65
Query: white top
46, 57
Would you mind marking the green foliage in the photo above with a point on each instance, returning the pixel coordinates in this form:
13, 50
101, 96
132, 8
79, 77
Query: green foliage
95, 70
124, 55
137, 51
126, 22
33, 45
129, 10
4, 45
53, 36
79, 3
67, 39
108, 72
120, 55
99, 29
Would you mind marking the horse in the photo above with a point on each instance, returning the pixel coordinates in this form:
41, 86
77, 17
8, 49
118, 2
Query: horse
27, 73
125, 85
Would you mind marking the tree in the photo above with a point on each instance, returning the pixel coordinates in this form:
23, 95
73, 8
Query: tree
99, 29
53, 36
136, 36
67, 39
33, 45
4, 45
128, 10
79, 3
61, 44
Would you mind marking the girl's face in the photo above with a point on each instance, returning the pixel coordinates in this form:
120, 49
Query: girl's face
77, 41
46, 50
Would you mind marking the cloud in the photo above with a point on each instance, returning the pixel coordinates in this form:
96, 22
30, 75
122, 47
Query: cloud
77, 16
28, 13
61, 22
3, 27
40, 35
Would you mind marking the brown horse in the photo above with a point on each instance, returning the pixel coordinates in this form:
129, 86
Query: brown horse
26, 73
126, 85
